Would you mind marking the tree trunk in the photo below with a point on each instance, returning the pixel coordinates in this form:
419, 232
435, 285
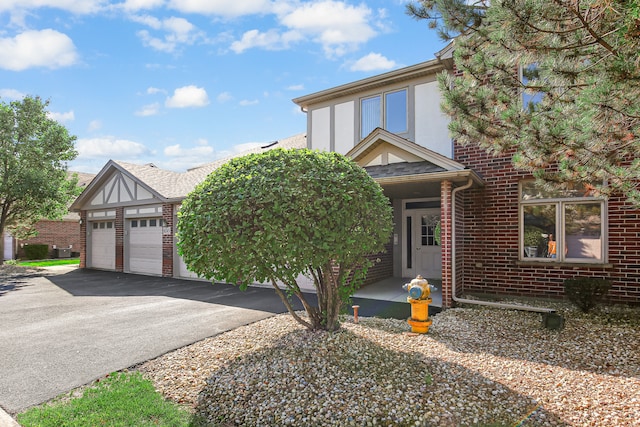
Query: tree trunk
333, 303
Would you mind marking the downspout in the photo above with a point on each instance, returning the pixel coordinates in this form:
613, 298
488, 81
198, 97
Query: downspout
453, 266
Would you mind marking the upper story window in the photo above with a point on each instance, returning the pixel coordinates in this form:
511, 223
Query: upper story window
387, 110
530, 98
563, 225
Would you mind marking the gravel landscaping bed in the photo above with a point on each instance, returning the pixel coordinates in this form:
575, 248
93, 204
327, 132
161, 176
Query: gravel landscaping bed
476, 366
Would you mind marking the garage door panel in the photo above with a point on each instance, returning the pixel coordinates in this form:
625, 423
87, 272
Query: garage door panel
103, 243
145, 246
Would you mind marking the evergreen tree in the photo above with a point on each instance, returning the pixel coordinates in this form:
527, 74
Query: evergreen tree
553, 83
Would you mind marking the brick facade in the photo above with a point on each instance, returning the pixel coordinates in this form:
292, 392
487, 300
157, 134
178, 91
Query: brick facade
83, 239
382, 267
167, 240
61, 234
445, 241
490, 261
119, 225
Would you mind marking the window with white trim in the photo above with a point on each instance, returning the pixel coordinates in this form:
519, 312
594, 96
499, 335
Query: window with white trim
388, 111
562, 225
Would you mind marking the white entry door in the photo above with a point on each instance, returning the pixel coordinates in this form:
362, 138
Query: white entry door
422, 253
145, 245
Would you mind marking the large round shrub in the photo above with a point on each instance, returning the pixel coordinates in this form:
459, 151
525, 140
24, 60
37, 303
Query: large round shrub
272, 216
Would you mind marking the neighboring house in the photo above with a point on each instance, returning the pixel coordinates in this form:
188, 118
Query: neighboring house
392, 125
57, 234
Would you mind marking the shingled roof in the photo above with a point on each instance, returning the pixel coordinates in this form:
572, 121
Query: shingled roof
169, 185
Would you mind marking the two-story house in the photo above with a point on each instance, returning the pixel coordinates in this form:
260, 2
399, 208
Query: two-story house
499, 234
461, 215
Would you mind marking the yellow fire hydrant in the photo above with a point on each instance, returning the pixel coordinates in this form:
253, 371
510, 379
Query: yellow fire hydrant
419, 291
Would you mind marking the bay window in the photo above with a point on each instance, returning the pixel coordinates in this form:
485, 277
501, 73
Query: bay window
562, 226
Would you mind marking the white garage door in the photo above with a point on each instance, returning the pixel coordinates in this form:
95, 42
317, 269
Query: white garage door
145, 245
184, 271
103, 245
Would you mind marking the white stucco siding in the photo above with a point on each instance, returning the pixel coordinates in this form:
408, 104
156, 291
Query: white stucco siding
431, 122
321, 129
344, 127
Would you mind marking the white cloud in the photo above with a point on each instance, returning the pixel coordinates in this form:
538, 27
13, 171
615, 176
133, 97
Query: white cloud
94, 125
154, 90
45, 48
224, 97
148, 110
11, 94
135, 5
239, 148
248, 102
336, 25
183, 158
195, 152
179, 31
296, 87
109, 147
225, 8
269, 40
73, 6
69, 116
373, 62
188, 96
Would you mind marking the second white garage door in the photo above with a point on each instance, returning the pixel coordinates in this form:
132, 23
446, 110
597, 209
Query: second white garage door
145, 245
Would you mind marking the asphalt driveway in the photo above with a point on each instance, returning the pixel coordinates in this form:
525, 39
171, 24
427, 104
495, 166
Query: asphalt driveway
61, 331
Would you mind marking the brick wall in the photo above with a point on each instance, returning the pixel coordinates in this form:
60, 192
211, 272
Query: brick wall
167, 240
83, 239
490, 261
383, 269
445, 243
119, 224
62, 234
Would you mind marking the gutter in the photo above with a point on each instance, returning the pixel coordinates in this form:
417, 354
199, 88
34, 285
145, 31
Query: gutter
453, 266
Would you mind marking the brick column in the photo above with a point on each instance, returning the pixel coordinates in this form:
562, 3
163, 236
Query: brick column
119, 224
445, 242
83, 239
167, 240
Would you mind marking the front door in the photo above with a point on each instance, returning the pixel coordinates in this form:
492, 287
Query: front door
422, 252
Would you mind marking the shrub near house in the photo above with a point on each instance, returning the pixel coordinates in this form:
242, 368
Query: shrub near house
270, 217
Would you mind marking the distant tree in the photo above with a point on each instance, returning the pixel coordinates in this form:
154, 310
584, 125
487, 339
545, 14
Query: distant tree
34, 183
272, 216
572, 114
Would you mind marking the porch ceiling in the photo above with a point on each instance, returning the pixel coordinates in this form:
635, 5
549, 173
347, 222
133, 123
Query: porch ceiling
425, 185
412, 190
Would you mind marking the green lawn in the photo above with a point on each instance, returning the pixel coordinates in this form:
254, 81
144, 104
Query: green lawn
50, 262
119, 400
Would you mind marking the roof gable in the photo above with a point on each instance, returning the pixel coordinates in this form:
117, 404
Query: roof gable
116, 185
381, 148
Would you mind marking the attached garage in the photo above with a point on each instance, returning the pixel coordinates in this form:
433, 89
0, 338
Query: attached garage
103, 243
145, 245
128, 214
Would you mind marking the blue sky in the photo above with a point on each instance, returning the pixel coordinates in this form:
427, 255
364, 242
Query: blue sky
184, 82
